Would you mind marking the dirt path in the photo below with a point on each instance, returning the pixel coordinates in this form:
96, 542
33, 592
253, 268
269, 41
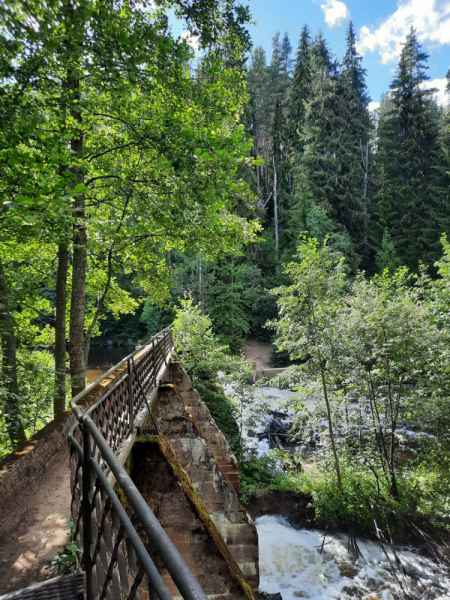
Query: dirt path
42, 532
258, 353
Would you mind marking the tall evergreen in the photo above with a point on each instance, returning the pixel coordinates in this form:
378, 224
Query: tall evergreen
280, 70
410, 155
259, 118
355, 153
353, 67
300, 89
328, 170
286, 56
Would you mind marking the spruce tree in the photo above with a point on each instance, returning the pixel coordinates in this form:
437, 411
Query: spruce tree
300, 89
355, 149
329, 170
259, 115
410, 156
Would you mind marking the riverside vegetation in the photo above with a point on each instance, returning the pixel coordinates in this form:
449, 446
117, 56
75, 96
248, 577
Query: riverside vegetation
144, 183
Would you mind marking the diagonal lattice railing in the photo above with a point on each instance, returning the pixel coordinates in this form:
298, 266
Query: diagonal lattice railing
115, 560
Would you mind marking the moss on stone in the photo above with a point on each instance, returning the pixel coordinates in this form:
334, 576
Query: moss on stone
196, 501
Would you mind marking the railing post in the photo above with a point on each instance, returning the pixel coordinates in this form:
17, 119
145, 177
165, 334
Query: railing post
154, 361
130, 396
152, 592
87, 534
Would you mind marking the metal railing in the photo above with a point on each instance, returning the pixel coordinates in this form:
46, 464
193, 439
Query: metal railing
114, 557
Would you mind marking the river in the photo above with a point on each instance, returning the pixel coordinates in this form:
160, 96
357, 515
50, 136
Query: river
292, 564
102, 358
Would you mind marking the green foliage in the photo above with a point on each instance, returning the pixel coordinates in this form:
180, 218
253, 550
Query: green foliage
67, 561
35, 394
256, 473
156, 318
222, 410
412, 200
110, 148
422, 501
386, 257
376, 361
195, 342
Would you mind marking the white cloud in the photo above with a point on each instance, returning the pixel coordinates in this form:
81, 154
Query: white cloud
335, 12
191, 40
431, 19
373, 106
441, 93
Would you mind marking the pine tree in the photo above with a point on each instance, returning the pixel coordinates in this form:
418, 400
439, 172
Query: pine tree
286, 53
352, 66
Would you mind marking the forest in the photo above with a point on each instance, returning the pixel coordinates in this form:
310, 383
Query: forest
143, 182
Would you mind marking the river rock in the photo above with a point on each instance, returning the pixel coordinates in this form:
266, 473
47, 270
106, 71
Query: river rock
351, 591
347, 569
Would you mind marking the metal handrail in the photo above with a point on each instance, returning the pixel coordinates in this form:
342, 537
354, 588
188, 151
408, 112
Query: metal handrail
76, 399
160, 541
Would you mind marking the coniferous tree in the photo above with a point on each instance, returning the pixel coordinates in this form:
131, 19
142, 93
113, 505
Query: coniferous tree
328, 171
259, 110
301, 88
355, 152
410, 155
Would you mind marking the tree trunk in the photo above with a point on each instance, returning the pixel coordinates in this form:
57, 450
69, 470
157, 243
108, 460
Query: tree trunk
13, 421
59, 401
77, 304
275, 208
330, 422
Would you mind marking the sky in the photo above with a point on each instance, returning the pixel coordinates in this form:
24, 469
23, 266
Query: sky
381, 27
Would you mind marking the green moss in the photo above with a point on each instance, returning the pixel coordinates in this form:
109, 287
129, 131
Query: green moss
190, 492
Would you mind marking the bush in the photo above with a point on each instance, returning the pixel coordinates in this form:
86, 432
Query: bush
423, 500
256, 473
36, 371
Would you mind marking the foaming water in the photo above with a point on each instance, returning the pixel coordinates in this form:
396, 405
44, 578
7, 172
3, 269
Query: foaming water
291, 563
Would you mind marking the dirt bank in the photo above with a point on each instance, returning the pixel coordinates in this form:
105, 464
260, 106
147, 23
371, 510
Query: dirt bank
258, 353
293, 506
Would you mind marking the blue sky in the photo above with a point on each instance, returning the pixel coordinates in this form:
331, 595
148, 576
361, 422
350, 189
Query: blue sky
381, 26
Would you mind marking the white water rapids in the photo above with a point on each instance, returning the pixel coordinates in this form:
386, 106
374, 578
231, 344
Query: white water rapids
291, 562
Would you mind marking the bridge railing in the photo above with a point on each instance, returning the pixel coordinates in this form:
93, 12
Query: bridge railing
116, 562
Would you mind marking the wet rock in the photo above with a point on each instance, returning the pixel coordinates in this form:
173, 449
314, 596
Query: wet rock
372, 584
351, 591
347, 569
301, 594
265, 596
